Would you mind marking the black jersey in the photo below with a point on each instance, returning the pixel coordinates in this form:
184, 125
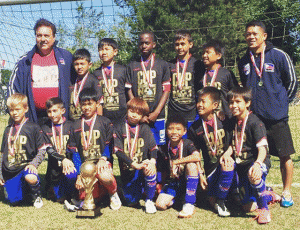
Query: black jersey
90, 82
145, 146
225, 81
30, 139
196, 133
183, 99
113, 91
101, 137
255, 133
159, 82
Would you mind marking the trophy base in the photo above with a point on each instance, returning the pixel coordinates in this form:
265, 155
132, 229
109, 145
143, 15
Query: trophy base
81, 213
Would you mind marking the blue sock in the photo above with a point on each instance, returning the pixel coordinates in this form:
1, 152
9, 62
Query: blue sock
260, 188
225, 181
191, 187
150, 187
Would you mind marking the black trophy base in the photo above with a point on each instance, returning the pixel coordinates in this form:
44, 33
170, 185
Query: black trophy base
81, 213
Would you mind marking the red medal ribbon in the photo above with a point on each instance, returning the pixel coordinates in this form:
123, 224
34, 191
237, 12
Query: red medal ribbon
180, 79
11, 146
77, 91
108, 86
213, 150
87, 141
149, 81
213, 78
132, 148
240, 140
180, 150
259, 72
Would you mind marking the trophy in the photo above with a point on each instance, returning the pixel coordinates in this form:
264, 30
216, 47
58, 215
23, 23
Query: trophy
88, 177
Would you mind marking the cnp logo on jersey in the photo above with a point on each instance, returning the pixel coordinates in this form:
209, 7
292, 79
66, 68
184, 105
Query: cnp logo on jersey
247, 69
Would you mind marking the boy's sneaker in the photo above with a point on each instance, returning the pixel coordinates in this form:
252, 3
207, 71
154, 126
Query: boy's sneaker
115, 202
70, 207
221, 208
38, 202
77, 203
286, 200
187, 211
263, 216
150, 207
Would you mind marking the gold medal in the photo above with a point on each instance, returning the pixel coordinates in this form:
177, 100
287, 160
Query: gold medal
214, 159
260, 83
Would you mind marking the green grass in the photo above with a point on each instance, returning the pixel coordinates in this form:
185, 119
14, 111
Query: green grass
53, 216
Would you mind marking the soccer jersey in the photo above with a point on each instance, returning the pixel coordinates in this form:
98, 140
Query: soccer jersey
223, 81
113, 91
212, 143
91, 137
182, 96
254, 136
90, 81
150, 85
20, 145
142, 145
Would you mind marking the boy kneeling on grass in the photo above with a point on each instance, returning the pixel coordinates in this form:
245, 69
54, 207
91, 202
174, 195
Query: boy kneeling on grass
23, 150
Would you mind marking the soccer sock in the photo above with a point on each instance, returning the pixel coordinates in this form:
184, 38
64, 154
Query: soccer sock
191, 187
150, 182
260, 188
35, 189
111, 187
70, 185
225, 181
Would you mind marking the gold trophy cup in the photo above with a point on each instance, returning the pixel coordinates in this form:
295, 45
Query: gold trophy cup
88, 177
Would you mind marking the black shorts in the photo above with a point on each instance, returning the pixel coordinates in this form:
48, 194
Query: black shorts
279, 138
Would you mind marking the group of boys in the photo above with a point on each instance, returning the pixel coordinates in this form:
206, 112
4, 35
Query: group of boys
123, 111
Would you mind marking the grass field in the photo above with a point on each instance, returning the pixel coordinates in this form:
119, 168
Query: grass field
53, 216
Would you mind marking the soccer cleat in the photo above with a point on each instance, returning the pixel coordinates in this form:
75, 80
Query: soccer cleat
150, 207
77, 203
287, 200
187, 211
38, 202
115, 202
70, 207
263, 216
221, 208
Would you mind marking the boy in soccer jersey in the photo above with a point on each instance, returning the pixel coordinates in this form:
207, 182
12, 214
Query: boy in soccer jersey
82, 63
149, 78
183, 73
61, 173
181, 161
23, 150
91, 136
137, 151
212, 136
250, 152
111, 77
215, 74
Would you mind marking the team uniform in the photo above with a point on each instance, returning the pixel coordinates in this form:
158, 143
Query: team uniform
179, 184
89, 81
140, 147
90, 138
213, 139
182, 97
58, 135
112, 82
22, 145
247, 137
148, 80
223, 80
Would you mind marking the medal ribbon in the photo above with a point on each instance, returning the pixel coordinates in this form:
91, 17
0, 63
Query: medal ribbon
213, 78
87, 142
77, 91
239, 141
108, 86
213, 150
145, 71
180, 79
58, 144
180, 150
132, 148
11, 146
262, 61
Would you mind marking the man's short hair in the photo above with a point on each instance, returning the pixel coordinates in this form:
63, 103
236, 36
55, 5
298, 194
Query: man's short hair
108, 42
176, 119
44, 22
182, 34
82, 54
257, 23
54, 101
216, 44
213, 93
17, 99
243, 92
138, 105
149, 33
88, 94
